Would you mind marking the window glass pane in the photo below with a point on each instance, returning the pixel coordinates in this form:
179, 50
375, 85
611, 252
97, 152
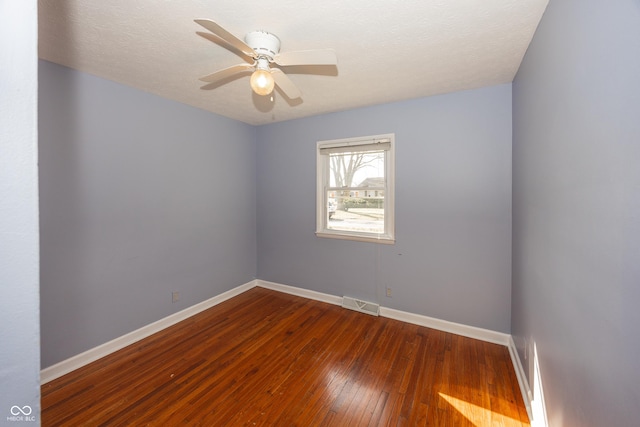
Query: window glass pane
361, 213
360, 169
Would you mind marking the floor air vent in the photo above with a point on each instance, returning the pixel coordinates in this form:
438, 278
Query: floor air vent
361, 306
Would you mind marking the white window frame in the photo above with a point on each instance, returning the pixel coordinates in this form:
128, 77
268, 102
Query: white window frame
323, 180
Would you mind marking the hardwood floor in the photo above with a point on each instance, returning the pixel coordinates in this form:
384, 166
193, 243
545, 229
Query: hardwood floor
266, 358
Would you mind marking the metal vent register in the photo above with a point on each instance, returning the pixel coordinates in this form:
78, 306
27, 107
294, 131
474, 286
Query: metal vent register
361, 306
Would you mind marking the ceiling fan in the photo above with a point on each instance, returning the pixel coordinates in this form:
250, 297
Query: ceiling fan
261, 51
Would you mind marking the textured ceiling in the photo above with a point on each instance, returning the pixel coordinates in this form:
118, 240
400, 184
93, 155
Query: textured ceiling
388, 50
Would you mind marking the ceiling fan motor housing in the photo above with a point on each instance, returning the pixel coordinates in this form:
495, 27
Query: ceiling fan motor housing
263, 43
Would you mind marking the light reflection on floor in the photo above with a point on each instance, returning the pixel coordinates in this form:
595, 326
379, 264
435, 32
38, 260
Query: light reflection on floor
478, 415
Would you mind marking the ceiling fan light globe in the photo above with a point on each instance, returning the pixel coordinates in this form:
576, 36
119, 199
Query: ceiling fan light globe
262, 82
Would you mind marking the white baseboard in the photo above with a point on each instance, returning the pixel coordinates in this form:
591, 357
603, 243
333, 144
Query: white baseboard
306, 293
75, 362
82, 359
416, 319
446, 326
522, 377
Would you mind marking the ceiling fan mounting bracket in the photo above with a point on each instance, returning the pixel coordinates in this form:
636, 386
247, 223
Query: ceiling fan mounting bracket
263, 43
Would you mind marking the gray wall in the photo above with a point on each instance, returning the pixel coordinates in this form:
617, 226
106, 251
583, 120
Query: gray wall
453, 208
19, 331
140, 196
576, 221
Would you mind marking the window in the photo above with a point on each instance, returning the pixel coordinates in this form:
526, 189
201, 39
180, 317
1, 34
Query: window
355, 189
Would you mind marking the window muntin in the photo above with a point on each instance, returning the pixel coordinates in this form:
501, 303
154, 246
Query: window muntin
355, 189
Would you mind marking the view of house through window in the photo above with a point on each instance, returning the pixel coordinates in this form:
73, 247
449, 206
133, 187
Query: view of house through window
356, 191
354, 181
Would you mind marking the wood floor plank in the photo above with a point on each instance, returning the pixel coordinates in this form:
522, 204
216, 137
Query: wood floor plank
266, 358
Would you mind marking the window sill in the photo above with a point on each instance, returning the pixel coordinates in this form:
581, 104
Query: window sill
385, 240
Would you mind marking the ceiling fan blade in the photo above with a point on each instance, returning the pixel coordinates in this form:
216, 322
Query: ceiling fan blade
217, 40
226, 36
307, 57
285, 83
227, 72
